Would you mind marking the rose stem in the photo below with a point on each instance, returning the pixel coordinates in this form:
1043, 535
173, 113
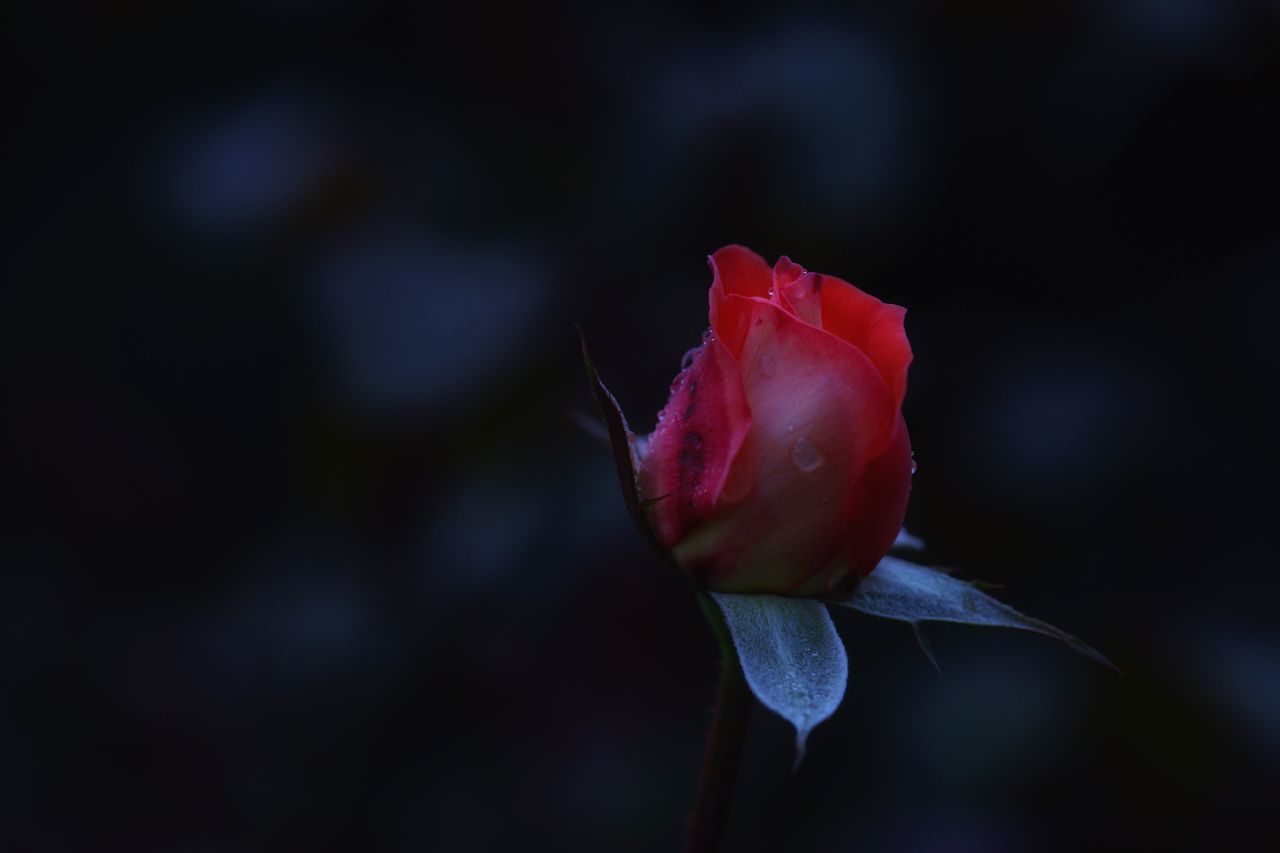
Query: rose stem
724, 742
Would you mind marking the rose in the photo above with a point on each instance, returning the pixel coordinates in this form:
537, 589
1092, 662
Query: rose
781, 462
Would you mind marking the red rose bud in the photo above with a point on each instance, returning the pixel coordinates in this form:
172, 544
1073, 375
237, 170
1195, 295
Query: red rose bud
781, 463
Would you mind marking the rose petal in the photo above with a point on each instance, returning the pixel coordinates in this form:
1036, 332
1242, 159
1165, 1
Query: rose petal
785, 271
877, 506
699, 435
820, 415
878, 503
736, 271
874, 327
803, 297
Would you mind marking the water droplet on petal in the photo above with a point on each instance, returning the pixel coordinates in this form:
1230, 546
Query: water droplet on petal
913, 464
687, 361
767, 366
806, 456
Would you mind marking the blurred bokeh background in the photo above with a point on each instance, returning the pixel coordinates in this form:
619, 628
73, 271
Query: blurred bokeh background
302, 550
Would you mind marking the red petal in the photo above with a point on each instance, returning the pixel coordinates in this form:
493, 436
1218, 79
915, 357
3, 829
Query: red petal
736, 270
879, 504
872, 326
785, 271
877, 507
792, 292
820, 415
699, 435
803, 297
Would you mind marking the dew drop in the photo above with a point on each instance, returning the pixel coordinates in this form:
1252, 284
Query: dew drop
806, 456
767, 366
687, 361
913, 464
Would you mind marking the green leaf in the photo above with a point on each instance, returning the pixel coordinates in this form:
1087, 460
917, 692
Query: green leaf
793, 660
907, 592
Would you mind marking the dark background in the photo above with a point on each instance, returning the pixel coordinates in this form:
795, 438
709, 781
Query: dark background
302, 551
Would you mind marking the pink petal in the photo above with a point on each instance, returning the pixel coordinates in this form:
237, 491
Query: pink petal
872, 326
877, 506
803, 297
820, 415
700, 433
785, 271
739, 271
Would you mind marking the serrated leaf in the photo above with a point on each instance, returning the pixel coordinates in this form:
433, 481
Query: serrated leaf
907, 592
791, 655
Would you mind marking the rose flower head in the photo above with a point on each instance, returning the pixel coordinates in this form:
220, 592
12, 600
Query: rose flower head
781, 463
